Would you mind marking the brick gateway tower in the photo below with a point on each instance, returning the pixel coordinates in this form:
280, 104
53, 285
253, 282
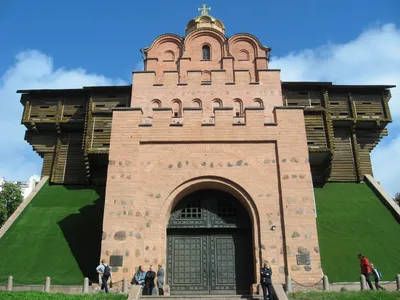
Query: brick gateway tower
208, 158
209, 168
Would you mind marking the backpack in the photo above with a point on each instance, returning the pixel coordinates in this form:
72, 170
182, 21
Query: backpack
107, 271
380, 274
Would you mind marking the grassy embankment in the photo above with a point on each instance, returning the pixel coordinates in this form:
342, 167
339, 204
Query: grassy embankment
57, 235
57, 296
351, 219
367, 295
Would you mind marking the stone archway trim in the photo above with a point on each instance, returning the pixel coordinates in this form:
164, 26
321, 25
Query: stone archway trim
213, 182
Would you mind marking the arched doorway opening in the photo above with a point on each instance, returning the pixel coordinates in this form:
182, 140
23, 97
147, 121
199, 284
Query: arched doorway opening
209, 245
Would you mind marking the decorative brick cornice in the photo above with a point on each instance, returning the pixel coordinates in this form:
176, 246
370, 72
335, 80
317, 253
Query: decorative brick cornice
127, 109
223, 108
253, 108
192, 108
162, 109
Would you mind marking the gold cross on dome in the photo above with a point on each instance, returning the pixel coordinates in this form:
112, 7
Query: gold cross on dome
204, 9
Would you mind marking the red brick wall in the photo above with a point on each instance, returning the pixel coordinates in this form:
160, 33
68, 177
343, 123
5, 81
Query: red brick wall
149, 165
263, 161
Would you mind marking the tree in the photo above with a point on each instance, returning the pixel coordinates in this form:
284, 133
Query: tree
10, 198
397, 198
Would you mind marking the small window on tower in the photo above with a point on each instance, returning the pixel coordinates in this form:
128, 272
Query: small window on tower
206, 52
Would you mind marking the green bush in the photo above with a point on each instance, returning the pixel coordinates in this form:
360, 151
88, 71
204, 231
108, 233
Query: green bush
56, 296
367, 295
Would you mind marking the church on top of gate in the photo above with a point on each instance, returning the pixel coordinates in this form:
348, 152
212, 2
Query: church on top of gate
204, 58
209, 160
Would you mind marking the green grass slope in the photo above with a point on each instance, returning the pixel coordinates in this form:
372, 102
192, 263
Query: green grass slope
57, 235
57, 296
365, 295
351, 219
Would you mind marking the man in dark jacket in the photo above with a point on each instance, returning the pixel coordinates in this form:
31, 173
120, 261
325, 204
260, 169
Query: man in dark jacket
149, 281
266, 281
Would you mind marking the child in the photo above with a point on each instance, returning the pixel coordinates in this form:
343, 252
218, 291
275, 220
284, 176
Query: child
377, 276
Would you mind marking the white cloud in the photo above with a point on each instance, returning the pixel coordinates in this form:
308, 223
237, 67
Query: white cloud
372, 58
31, 70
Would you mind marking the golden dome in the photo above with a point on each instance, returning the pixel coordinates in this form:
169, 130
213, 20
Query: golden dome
205, 21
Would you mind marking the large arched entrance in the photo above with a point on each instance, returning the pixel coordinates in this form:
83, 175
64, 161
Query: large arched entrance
209, 245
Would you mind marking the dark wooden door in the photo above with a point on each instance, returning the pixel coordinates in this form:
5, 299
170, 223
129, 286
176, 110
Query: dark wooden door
209, 248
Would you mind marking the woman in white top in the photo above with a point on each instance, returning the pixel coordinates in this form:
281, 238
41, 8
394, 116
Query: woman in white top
377, 276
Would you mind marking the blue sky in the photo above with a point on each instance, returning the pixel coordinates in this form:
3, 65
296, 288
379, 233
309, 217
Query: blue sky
63, 44
105, 36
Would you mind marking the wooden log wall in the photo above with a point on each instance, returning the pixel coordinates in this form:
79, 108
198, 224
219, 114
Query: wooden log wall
43, 109
303, 98
367, 140
42, 143
339, 105
72, 130
67, 128
100, 132
368, 106
343, 163
47, 163
315, 130
340, 111
108, 102
73, 108
69, 164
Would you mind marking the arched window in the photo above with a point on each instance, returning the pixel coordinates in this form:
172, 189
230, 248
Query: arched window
238, 107
177, 108
206, 52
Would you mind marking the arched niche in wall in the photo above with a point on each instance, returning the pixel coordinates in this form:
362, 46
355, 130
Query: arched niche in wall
205, 76
177, 108
169, 55
217, 103
164, 43
196, 103
258, 102
238, 107
156, 103
243, 55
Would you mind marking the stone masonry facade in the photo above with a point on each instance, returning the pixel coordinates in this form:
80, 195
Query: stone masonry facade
215, 123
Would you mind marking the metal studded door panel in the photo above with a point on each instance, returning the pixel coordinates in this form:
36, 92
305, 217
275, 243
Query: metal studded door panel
209, 248
188, 264
229, 265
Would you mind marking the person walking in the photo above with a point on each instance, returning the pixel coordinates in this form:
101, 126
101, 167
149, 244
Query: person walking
160, 280
105, 272
377, 276
149, 281
266, 281
365, 269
